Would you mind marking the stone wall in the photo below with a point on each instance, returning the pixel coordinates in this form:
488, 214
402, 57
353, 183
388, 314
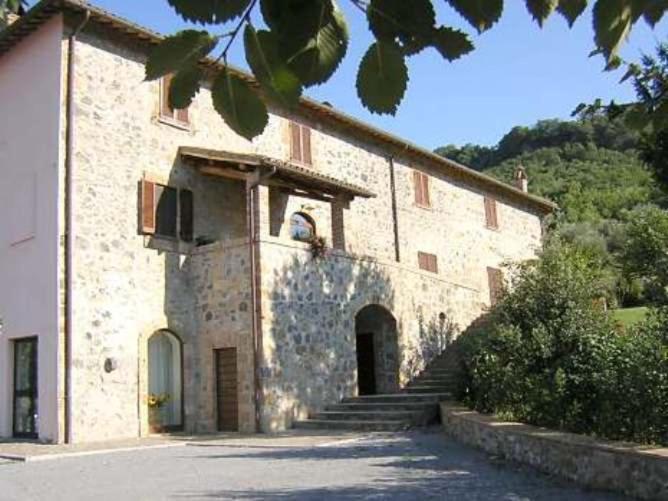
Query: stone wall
128, 286
639, 471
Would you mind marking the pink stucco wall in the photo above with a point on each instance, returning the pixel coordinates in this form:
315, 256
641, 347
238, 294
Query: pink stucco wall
30, 115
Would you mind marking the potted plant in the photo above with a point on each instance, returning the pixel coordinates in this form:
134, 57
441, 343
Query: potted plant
156, 402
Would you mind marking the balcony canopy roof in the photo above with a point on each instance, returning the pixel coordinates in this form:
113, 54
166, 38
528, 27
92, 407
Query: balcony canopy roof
288, 175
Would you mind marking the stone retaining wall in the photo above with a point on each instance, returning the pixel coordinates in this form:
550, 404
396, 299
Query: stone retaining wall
636, 470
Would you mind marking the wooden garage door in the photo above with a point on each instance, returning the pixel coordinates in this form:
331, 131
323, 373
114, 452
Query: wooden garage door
227, 389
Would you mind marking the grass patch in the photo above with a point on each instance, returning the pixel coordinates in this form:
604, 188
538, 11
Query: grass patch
630, 316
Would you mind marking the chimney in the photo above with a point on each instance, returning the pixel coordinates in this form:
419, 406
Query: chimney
521, 179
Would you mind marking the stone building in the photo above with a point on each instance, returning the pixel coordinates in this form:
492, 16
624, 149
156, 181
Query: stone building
153, 256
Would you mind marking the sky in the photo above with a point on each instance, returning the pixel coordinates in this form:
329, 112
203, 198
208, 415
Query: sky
517, 75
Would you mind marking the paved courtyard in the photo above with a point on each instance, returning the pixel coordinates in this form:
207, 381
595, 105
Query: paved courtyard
409, 466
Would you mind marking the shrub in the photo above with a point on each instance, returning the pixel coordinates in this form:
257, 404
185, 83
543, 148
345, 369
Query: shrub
549, 355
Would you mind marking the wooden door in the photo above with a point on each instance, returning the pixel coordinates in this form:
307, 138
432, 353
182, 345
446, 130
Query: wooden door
25, 388
227, 389
366, 365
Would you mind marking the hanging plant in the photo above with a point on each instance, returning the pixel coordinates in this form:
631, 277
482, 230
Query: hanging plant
318, 247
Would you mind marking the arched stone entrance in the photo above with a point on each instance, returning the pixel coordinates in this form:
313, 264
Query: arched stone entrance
165, 381
377, 346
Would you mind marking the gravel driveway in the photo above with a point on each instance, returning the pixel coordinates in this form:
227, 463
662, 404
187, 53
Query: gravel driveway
410, 466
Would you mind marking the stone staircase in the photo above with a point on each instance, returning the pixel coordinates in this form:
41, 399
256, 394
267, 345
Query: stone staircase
414, 406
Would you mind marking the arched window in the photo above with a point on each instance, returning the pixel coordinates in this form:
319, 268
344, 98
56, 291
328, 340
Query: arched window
164, 381
302, 227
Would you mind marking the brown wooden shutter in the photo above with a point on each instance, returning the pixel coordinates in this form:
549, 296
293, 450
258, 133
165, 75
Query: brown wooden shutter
295, 142
428, 262
186, 212
425, 190
306, 145
182, 115
147, 207
165, 109
417, 187
490, 213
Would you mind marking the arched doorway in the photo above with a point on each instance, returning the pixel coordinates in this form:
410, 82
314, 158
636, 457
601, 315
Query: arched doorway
165, 382
377, 347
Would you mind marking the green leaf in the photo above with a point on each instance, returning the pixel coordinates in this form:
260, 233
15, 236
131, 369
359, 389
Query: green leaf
572, 9
382, 78
636, 117
295, 22
451, 43
209, 11
323, 54
178, 51
239, 105
184, 86
654, 11
540, 10
270, 69
481, 14
612, 24
392, 19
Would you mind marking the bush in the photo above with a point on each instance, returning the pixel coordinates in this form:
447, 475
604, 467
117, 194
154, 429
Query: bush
549, 355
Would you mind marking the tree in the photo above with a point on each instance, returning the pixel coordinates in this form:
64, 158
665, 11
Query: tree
646, 252
304, 41
648, 115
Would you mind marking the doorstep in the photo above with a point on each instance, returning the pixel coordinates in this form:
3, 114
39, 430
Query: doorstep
24, 451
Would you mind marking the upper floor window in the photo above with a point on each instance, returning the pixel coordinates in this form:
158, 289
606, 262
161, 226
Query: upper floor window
300, 143
166, 111
495, 282
421, 188
428, 262
302, 227
166, 211
491, 217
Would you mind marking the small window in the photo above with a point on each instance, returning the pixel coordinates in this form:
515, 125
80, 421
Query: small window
491, 217
166, 111
300, 143
166, 211
421, 188
428, 262
495, 281
302, 227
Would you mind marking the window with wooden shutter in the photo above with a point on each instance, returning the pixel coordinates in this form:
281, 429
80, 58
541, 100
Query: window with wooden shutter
300, 143
495, 280
491, 218
186, 210
147, 207
166, 111
166, 211
421, 188
428, 262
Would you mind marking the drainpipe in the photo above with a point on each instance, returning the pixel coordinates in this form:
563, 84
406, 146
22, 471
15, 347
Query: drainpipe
69, 224
395, 217
256, 306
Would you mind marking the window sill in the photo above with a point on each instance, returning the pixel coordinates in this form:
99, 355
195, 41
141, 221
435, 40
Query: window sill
167, 244
172, 122
424, 207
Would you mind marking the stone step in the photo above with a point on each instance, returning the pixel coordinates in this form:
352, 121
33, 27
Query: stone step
400, 397
421, 388
368, 415
382, 406
438, 373
329, 424
432, 380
